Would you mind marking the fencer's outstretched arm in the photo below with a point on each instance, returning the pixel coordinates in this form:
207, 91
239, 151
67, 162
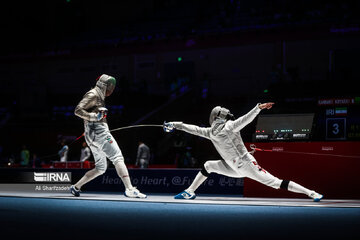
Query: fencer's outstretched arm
88, 102
193, 129
244, 120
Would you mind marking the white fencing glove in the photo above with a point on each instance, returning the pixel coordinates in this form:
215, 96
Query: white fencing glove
168, 127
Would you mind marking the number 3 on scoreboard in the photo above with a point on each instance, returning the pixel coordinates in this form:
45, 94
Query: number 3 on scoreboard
336, 128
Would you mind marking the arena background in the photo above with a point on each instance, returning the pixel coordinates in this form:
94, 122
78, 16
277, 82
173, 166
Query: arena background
174, 61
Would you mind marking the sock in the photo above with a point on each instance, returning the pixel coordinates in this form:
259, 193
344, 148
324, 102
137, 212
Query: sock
90, 175
199, 179
294, 187
123, 173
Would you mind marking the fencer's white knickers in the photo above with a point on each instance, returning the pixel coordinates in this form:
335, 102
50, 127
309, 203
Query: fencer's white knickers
102, 144
245, 167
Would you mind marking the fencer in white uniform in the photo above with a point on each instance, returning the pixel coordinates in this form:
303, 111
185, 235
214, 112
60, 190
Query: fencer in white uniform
98, 137
237, 162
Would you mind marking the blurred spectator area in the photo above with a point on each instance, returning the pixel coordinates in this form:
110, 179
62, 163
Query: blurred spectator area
173, 60
69, 24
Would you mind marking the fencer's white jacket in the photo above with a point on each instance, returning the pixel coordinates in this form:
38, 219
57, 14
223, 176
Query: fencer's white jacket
94, 99
225, 135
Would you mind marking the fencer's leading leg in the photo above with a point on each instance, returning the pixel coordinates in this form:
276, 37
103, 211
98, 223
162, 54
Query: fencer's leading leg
198, 180
123, 173
217, 166
189, 193
114, 154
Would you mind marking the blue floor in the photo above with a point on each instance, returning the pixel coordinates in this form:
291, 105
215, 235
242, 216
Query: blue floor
23, 218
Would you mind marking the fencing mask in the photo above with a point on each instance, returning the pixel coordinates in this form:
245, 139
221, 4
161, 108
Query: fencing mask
220, 113
107, 83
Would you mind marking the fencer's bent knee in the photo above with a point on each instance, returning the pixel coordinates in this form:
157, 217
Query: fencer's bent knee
208, 167
118, 160
100, 171
204, 171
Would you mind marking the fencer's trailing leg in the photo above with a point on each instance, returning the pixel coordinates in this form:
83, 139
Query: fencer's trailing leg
294, 187
90, 175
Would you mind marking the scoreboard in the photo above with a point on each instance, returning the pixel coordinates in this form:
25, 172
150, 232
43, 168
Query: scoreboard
284, 127
340, 118
332, 119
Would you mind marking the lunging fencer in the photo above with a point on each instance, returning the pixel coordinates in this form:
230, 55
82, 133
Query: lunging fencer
237, 162
98, 137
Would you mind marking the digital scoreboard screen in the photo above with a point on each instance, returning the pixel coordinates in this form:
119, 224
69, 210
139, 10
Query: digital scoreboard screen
284, 127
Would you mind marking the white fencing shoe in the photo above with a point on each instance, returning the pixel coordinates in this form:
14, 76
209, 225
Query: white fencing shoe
134, 193
316, 196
